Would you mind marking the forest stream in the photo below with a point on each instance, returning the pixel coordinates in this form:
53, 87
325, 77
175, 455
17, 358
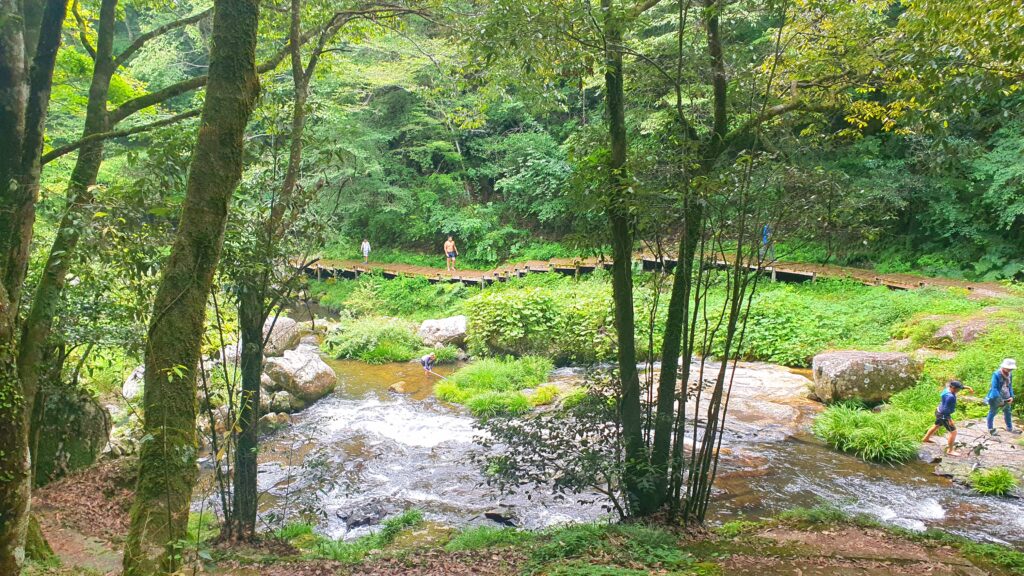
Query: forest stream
364, 453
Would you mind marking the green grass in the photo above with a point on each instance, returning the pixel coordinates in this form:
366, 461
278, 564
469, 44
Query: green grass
293, 530
887, 437
544, 395
491, 386
374, 340
352, 552
482, 537
994, 481
411, 298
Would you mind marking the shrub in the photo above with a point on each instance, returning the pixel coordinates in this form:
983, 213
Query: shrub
543, 395
491, 386
488, 404
993, 482
373, 340
487, 537
546, 315
888, 437
372, 294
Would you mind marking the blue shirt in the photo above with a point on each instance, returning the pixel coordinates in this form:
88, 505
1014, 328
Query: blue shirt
999, 383
947, 406
766, 232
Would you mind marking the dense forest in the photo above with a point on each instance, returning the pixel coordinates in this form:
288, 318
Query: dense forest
186, 186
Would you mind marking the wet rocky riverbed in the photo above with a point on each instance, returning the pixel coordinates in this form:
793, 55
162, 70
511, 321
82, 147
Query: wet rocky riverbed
365, 453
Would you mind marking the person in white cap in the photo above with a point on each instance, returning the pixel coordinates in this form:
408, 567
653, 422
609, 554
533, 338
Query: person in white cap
1000, 396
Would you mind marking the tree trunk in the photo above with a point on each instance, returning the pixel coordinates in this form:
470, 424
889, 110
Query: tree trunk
622, 264
253, 305
251, 316
47, 296
24, 97
167, 460
673, 347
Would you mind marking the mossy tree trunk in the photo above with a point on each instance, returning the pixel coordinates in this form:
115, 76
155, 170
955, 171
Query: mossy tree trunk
167, 460
24, 96
39, 322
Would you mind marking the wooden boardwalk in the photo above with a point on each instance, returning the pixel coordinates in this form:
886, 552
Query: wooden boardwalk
780, 271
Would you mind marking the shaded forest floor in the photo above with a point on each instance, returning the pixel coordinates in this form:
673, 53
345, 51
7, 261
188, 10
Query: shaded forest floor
85, 517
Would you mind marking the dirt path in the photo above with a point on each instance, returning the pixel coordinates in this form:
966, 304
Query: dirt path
781, 270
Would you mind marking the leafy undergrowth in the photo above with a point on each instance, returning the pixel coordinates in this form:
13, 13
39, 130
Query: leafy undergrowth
381, 340
493, 386
815, 540
993, 482
891, 433
411, 298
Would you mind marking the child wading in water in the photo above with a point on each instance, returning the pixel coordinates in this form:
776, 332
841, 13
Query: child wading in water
944, 415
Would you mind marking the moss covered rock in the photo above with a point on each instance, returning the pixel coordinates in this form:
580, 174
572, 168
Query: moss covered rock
73, 428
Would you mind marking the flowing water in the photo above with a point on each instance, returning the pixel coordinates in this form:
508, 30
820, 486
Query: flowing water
364, 453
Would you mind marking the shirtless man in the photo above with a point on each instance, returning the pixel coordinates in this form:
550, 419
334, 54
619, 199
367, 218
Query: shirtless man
450, 252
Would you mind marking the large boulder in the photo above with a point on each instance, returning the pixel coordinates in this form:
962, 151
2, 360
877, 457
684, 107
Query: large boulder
301, 373
871, 377
71, 430
285, 335
444, 331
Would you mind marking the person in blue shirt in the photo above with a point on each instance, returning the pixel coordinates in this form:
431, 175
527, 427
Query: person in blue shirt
944, 415
1000, 396
767, 247
428, 362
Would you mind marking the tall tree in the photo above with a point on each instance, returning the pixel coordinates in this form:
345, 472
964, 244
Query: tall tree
167, 460
47, 295
30, 33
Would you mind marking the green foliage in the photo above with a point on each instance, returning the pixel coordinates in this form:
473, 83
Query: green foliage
488, 537
789, 324
371, 294
615, 549
373, 340
293, 530
815, 515
202, 527
568, 321
491, 386
353, 552
734, 528
888, 437
994, 481
544, 395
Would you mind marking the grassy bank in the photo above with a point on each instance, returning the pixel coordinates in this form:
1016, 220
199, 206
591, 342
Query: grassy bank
816, 540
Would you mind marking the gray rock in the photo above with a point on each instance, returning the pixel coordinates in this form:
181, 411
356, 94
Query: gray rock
285, 402
443, 331
286, 334
960, 332
74, 433
133, 385
871, 377
302, 373
273, 421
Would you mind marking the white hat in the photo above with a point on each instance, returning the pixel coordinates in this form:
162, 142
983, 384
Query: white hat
1009, 364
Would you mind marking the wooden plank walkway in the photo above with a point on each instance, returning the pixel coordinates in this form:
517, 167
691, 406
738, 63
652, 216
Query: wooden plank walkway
780, 271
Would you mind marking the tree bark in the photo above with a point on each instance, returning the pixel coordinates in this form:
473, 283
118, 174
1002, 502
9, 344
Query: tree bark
253, 308
251, 316
622, 264
675, 343
24, 96
46, 298
167, 461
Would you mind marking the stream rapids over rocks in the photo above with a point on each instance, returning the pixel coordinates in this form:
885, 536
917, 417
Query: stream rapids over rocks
363, 454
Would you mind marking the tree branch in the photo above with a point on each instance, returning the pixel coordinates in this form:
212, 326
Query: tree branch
755, 122
134, 47
643, 6
68, 148
81, 31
